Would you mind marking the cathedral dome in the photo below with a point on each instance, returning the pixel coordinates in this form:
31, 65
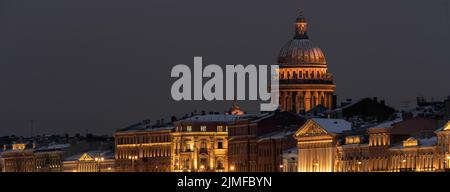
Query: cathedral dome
301, 50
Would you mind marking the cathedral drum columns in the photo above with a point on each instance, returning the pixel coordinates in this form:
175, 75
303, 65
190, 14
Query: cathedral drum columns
304, 81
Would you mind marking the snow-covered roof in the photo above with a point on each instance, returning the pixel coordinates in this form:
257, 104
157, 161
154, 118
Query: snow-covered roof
52, 147
445, 127
262, 116
388, 124
333, 125
348, 105
92, 154
215, 118
145, 127
428, 142
276, 135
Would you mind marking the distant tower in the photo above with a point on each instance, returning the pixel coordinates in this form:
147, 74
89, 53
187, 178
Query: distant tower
304, 80
235, 109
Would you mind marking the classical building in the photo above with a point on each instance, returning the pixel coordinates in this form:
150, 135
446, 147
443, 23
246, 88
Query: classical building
26, 157
144, 148
200, 143
327, 145
304, 80
256, 144
317, 140
92, 161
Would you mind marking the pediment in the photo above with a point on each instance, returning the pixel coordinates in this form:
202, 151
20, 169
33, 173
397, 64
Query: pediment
447, 126
310, 128
85, 157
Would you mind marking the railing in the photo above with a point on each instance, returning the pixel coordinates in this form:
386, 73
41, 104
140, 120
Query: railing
305, 81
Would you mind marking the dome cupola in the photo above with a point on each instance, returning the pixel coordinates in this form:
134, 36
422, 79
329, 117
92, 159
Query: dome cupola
301, 51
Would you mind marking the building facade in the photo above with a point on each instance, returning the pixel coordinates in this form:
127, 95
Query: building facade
92, 161
200, 143
256, 144
328, 147
305, 82
143, 148
26, 157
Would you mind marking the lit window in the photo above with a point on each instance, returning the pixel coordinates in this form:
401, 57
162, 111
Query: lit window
220, 128
203, 128
189, 128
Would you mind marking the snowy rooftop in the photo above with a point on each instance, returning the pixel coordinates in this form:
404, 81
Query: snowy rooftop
52, 147
348, 105
445, 127
388, 124
215, 118
428, 142
144, 127
333, 125
276, 135
92, 154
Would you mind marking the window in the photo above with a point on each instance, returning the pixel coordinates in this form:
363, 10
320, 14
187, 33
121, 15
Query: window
219, 128
203, 144
219, 145
203, 128
189, 128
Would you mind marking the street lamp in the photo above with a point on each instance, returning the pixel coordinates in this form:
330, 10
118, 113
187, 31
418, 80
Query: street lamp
446, 159
99, 160
232, 168
132, 158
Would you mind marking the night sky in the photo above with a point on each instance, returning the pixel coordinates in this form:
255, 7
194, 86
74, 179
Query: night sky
91, 65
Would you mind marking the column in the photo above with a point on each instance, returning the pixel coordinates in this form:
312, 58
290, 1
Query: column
316, 98
307, 100
289, 101
330, 100
301, 104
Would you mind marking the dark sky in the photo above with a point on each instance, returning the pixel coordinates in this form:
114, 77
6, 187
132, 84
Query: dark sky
101, 65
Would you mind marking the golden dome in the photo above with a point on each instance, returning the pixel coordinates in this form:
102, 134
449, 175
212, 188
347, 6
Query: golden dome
301, 50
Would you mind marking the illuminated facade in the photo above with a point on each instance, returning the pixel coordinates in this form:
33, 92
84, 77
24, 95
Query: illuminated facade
330, 147
25, 157
143, 148
200, 143
304, 80
92, 161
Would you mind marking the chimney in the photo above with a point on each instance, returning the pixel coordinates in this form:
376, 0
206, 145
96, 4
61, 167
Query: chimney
382, 102
375, 99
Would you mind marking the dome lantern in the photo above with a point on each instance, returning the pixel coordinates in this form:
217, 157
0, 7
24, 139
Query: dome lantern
301, 27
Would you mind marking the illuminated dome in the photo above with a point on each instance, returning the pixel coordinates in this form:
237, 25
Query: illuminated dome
301, 50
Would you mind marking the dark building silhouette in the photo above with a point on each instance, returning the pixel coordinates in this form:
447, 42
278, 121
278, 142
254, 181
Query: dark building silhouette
363, 110
256, 145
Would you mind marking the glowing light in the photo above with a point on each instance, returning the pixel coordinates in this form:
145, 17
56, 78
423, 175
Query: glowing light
232, 167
